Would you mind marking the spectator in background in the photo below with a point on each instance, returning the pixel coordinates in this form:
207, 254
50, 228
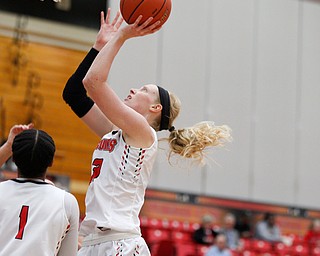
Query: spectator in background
313, 234
220, 247
205, 234
232, 235
243, 225
267, 229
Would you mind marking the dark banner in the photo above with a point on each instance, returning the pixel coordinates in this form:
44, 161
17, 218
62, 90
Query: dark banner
76, 12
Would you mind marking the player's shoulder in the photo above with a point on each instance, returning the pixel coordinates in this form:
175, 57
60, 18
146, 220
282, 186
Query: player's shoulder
6, 183
70, 198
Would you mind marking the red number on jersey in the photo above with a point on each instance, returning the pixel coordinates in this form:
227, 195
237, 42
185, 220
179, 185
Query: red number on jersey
23, 221
97, 163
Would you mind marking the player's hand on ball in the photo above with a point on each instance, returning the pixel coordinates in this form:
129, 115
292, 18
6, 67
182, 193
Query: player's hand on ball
107, 29
136, 30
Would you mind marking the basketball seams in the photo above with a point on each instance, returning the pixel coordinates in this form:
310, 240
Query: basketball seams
134, 10
164, 2
122, 4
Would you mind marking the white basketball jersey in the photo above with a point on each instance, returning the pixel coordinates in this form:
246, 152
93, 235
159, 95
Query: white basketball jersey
120, 175
33, 220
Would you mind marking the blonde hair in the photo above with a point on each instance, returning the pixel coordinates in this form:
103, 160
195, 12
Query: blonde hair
193, 141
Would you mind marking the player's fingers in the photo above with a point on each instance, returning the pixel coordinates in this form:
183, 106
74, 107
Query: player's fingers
102, 21
108, 15
136, 23
156, 29
114, 22
155, 26
119, 22
146, 23
30, 126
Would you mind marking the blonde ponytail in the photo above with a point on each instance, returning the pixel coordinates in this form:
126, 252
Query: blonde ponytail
191, 142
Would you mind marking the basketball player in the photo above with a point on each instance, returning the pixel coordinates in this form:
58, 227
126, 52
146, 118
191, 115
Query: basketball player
37, 218
5, 149
123, 159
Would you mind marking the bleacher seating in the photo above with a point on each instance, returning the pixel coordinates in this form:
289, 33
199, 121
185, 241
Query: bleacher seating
201, 249
260, 246
245, 244
300, 250
182, 236
315, 251
282, 249
248, 253
164, 247
173, 237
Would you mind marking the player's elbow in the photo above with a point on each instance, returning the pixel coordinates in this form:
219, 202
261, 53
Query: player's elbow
90, 82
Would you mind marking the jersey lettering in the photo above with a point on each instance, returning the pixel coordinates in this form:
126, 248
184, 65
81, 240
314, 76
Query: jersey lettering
107, 145
97, 163
23, 221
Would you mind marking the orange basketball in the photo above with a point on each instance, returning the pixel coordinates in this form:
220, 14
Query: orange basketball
158, 9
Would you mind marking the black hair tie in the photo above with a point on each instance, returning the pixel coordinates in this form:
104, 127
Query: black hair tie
171, 129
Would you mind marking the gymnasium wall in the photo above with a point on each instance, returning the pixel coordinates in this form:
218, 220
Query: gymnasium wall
32, 91
251, 64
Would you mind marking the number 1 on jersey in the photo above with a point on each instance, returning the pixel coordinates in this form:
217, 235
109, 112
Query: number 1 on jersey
23, 221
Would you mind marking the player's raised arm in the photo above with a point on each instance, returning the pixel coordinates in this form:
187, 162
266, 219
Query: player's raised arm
130, 120
75, 94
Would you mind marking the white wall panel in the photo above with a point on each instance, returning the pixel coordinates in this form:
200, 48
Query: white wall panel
230, 83
308, 176
275, 116
182, 71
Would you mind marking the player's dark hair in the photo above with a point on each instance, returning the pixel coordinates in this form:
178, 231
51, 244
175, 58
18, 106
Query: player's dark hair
33, 151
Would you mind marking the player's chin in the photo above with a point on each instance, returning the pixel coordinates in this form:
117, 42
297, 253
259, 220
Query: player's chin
127, 103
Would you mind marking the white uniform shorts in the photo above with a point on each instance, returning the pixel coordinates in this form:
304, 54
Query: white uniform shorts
125, 247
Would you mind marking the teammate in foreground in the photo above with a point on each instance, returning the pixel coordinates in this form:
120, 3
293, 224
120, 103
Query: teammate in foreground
123, 159
37, 218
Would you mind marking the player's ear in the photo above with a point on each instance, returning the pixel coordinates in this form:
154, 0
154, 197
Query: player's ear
156, 108
50, 164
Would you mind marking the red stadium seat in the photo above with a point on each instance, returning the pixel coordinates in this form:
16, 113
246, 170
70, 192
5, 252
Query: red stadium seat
300, 250
296, 239
154, 223
175, 225
187, 226
261, 246
181, 237
164, 247
202, 249
194, 226
315, 251
150, 222
186, 249
143, 221
282, 250
245, 244
248, 253
157, 235
235, 253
